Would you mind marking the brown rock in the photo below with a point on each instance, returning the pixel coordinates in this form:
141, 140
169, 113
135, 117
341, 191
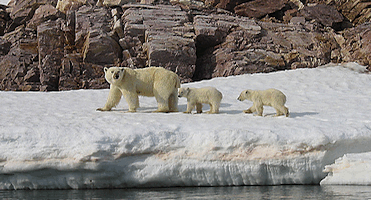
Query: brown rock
113, 3
101, 49
65, 5
259, 8
4, 18
23, 10
356, 44
4, 47
94, 36
51, 44
19, 60
163, 34
357, 12
325, 15
251, 47
43, 14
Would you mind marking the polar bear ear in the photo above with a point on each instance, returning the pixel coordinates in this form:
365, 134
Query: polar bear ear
105, 69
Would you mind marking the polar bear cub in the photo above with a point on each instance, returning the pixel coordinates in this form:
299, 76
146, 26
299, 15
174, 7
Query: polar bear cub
269, 97
161, 83
198, 96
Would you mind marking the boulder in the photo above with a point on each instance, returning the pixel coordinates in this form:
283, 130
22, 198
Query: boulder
259, 8
4, 18
19, 60
65, 5
75, 74
357, 12
113, 3
50, 47
251, 47
325, 15
356, 44
4, 47
43, 14
163, 34
94, 36
23, 11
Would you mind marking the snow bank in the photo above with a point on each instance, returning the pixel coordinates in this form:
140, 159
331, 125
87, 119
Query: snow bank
351, 169
57, 140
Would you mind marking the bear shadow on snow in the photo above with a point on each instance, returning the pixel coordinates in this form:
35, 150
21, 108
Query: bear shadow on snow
302, 114
224, 105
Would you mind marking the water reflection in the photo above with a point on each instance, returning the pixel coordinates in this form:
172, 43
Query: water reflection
246, 192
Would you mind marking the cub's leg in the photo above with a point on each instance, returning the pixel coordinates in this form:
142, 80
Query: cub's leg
214, 107
250, 110
190, 106
281, 110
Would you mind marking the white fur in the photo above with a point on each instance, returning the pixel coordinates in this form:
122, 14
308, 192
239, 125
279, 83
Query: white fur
198, 96
260, 98
152, 81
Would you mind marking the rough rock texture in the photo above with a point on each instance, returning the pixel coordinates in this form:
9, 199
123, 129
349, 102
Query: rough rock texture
356, 44
249, 47
357, 12
259, 8
166, 36
4, 18
325, 15
65, 44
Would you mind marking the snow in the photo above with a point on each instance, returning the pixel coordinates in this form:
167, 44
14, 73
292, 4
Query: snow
351, 169
57, 140
4, 2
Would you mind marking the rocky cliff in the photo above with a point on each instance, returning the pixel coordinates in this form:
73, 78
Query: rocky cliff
64, 44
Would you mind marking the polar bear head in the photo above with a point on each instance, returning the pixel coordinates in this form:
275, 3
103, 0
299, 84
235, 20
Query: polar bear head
244, 95
114, 74
183, 92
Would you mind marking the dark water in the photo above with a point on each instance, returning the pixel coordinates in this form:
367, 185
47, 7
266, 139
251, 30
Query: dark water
246, 192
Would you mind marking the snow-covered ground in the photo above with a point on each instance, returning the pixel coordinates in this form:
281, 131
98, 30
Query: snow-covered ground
4, 2
58, 140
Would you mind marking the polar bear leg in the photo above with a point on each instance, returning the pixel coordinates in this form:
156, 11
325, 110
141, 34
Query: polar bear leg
162, 104
173, 101
199, 107
190, 106
281, 110
278, 112
214, 107
114, 97
259, 109
133, 102
286, 111
250, 110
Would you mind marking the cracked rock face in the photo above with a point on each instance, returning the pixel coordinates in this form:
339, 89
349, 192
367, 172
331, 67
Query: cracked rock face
65, 44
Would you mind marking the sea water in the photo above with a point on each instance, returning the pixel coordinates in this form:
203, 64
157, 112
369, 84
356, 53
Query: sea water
245, 192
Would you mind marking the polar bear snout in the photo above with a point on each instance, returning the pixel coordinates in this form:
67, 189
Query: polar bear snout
116, 75
240, 98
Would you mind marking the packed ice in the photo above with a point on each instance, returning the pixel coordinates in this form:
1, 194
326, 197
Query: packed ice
57, 140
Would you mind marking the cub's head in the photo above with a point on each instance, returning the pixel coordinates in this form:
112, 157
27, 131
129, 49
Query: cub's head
244, 95
114, 74
183, 92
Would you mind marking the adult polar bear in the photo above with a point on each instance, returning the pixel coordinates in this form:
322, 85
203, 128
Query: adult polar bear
151, 81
